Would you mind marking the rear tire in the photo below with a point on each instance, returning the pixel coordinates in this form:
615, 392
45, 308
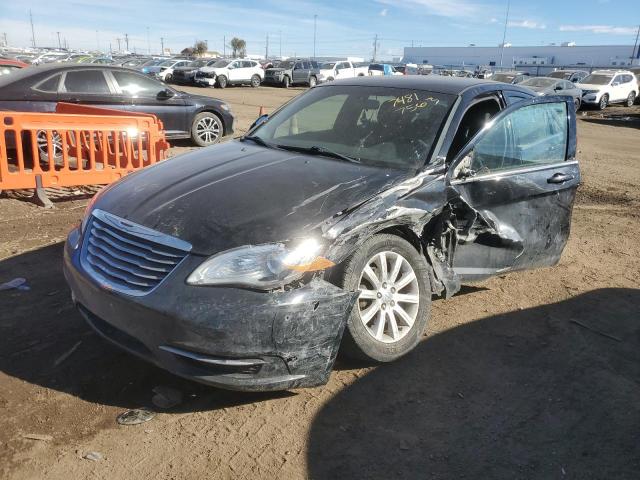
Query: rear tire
392, 312
221, 81
286, 81
631, 99
604, 101
206, 129
255, 81
313, 81
168, 78
577, 103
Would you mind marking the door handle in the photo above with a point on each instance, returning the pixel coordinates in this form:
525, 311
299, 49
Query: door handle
559, 178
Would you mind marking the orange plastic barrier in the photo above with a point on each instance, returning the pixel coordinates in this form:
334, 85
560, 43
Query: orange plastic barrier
77, 145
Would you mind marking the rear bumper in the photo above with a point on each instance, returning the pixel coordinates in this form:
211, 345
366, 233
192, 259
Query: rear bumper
226, 337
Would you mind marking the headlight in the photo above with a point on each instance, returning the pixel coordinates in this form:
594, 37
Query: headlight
264, 267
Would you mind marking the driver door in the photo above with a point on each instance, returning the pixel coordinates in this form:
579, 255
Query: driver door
143, 95
513, 188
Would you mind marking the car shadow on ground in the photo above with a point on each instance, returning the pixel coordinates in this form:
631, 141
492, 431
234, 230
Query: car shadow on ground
546, 392
46, 342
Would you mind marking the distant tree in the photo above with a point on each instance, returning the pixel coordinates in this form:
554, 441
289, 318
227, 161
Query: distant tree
239, 47
200, 48
187, 51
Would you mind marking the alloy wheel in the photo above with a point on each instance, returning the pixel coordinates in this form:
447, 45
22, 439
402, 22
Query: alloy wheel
56, 144
389, 297
208, 129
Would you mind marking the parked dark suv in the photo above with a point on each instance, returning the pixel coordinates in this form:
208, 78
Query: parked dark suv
203, 119
293, 72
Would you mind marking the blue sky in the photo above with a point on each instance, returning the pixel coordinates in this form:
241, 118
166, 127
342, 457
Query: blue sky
343, 27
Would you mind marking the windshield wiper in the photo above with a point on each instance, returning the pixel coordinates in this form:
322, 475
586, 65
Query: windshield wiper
258, 140
316, 150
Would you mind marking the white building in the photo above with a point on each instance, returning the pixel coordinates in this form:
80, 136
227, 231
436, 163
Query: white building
525, 58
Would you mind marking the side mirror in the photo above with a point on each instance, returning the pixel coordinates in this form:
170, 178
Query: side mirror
558, 87
259, 121
166, 93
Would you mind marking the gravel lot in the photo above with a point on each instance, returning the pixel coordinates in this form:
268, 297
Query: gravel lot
530, 375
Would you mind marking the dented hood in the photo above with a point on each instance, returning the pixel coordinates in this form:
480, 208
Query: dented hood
239, 194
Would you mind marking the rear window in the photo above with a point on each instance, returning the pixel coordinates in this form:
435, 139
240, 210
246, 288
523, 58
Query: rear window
597, 79
49, 85
375, 66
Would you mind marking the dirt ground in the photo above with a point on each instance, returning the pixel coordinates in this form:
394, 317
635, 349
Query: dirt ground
530, 375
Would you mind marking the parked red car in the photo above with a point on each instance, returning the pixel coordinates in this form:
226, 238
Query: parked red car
8, 66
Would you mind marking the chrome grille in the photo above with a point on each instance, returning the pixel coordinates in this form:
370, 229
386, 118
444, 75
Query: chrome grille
130, 258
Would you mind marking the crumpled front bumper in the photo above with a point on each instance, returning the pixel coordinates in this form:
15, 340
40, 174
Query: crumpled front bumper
226, 337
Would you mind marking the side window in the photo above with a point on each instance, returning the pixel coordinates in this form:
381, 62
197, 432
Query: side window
514, 97
341, 66
314, 65
297, 65
247, 64
137, 85
618, 79
568, 85
50, 85
530, 136
86, 81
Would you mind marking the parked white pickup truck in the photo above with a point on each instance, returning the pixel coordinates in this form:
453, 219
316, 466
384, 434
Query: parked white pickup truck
342, 69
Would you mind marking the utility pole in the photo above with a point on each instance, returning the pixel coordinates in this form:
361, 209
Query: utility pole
266, 52
97, 40
126, 41
119, 49
375, 47
224, 46
279, 35
6, 43
162, 44
148, 43
315, 20
59, 43
33, 33
504, 33
633, 54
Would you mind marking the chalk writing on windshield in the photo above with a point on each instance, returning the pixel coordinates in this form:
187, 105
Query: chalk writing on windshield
411, 102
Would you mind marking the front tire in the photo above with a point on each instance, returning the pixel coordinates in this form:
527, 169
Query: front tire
221, 81
604, 101
631, 99
286, 82
392, 311
168, 78
313, 81
206, 129
577, 103
255, 81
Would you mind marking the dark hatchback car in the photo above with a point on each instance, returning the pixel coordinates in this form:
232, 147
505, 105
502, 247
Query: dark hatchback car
203, 119
186, 75
242, 265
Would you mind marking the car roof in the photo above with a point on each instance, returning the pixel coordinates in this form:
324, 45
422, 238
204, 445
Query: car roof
433, 83
50, 69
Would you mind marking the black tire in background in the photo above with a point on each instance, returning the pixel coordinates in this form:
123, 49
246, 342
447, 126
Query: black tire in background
221, 81
358, 342
206, 129
631, 99
604, 101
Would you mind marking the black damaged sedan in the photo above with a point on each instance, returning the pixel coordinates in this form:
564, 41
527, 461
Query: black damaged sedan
328, 227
